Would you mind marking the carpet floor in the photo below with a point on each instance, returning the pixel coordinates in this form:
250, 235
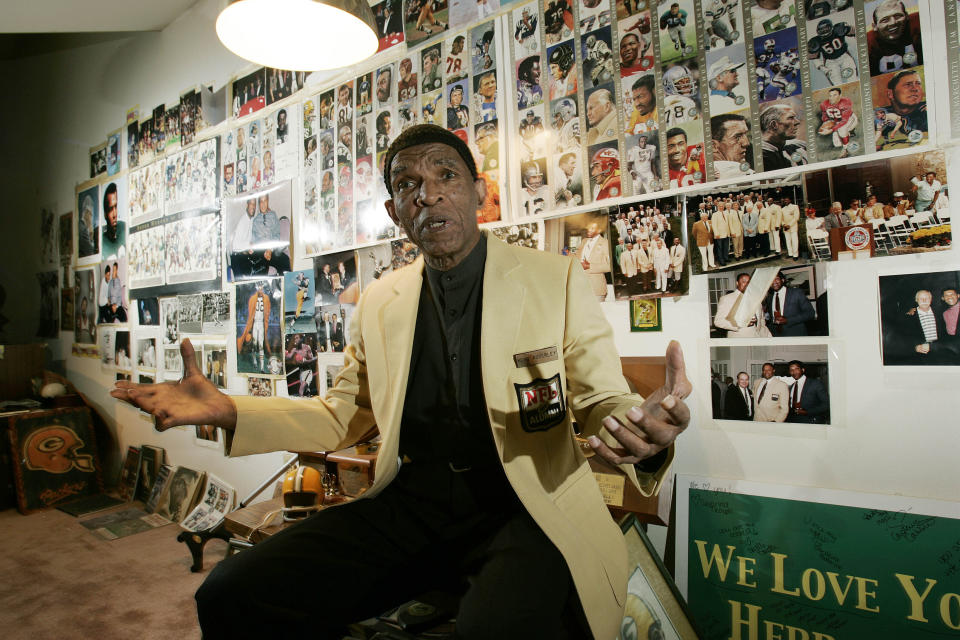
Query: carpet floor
60, 581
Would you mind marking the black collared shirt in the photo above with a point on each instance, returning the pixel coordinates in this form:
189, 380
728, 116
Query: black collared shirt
445, 419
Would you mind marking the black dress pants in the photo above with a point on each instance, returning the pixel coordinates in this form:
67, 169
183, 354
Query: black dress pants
355, 561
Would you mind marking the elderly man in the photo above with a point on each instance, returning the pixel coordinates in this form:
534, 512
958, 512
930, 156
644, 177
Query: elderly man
922, 336
702, 232
727, 308
750, 222
732, 154
779, 127
928, 189
601, 117
738, 403
836, 218
450, 498
594, 257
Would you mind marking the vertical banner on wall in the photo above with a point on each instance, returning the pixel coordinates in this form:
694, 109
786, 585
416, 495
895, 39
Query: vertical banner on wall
953, 61
769, 561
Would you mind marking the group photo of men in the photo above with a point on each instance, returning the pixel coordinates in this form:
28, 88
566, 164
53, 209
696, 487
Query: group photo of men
770, 384
649, 250
745, 227
919, 318
789, 302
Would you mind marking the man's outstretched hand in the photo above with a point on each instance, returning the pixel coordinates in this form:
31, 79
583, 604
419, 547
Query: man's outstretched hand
654, 425
192, 400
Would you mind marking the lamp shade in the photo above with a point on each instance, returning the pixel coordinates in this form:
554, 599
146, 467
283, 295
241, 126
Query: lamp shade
299, 35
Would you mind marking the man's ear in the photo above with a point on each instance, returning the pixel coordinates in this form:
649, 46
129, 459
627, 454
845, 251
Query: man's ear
480, 186
392, 211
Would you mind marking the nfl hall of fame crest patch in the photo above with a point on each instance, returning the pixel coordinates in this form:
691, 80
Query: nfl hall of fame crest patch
541, 404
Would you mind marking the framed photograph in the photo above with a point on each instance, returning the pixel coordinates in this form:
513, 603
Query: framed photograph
645, 315
918, 319
655, 608
54, 458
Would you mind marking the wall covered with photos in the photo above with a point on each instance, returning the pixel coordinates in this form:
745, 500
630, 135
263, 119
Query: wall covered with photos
599, 97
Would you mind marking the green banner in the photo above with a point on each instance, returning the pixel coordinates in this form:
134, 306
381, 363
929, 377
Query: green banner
776, 569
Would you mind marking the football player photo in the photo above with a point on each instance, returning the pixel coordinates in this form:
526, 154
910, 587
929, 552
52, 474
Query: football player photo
770, 16
534, 192
839, 134
562, 67
727, 80
685, 158
724, 23
778, 65
681, 92
605, 171
636, 44
597, 58
900, 109
831, 49
678, 29
893, 35
643, 162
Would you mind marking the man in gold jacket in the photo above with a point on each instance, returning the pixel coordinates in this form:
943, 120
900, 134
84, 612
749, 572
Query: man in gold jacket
485, 354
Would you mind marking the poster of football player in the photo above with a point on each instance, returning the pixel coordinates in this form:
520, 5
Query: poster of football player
832, 49
594, 14
529, 91
770, 16
216, 312
98, 160
65, 237
145, 141
839, 134
483, 56
133, 140
113, 152
900, 109
431, 77
343, 109
113, 226
249, 93
192, 246
383, 86
364, 97
363, 137
681, 92
455, 57
778, 65
557, 20
598, 59
172, 127
723, 20
257, 233
192, 176
648, 250
686, 162
526, 32
602, 124
636, 44
565, 124
678, 29
145, 192
727, 80
388, 16
783, 134
815, 9
259, 330
893, 35
640, 94
146, 254
562, 65
534, 191
485, 96
424, 19
48, 322
300, 359
433, 110
458, 114
88, 224
732, 145
487, 151
567, 180
643, 161
534, 140
586, 237
605, 171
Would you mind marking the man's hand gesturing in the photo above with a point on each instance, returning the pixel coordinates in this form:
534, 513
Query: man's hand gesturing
192, 400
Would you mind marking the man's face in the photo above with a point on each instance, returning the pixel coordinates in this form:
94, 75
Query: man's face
768, 371
485, 140
111, 212
106, 274
924, 300
406, 67
643, 100
777, 283
950, 297
834, 96
592, 230
488, 86
251, 208
535, 72
456, 97
457, 46
282, 118
427, 65
116, 272
264, 204
728, 79
796, 371
908, 92
228, 173
891, 22
345, 135
930, 178
556, 71
676, 241
677, 151
568, 165
743, 381
344, 95
735, 141
383, 86
742, 282
324, 147
435, 201
674, 10
629, 50
597, 108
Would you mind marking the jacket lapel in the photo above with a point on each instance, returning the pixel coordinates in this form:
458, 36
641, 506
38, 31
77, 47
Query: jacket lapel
501, 319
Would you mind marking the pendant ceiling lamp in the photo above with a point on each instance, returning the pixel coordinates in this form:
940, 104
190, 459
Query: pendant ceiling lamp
299, 35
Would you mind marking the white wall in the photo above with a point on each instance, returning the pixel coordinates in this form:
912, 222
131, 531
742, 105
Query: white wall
895, 430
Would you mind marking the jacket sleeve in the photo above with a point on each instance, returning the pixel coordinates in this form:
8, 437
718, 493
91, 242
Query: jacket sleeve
596, 387
818, 404
318, 424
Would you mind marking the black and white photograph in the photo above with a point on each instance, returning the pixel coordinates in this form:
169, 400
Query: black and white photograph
216, 312
88, 225
85, 305
919, 319
192, 243
190, 313
782, 383
147, 353
169, 320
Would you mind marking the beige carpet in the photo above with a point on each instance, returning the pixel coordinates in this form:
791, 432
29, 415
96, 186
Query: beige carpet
60, 581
